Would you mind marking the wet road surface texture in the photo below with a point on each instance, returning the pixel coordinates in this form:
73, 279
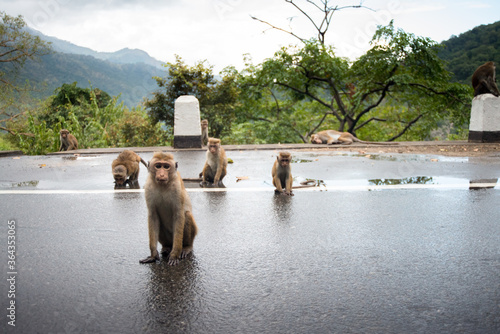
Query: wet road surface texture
385, 244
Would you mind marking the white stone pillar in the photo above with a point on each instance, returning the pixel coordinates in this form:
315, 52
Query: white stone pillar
484, 124
187, 128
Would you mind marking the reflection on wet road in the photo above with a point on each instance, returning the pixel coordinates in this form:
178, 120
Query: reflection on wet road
380, 246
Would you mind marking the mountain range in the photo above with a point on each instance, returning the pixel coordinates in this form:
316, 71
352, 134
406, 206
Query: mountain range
128, 72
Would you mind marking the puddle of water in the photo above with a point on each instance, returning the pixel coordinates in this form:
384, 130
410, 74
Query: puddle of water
438, 181
23, 184
301, 161
406, 180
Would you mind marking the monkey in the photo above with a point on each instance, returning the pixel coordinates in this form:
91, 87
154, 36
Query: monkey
282, 174
483, 80
204, 132
216, 165
68, 141
126, 165
170, 218
337, 137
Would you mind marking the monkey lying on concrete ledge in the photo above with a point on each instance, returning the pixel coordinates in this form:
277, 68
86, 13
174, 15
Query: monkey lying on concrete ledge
337, 137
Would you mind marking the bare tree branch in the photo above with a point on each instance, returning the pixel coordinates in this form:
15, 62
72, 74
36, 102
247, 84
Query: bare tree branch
373, 105
321, 28
368, 121
407, 127
277, 28
319, 123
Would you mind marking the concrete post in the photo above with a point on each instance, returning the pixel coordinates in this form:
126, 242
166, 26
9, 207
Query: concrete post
484, 124
187, 128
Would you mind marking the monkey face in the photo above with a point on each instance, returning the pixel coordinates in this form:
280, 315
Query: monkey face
120, 175
284, 161
316, 140
213, 148
64, 133
119, 179
163, 170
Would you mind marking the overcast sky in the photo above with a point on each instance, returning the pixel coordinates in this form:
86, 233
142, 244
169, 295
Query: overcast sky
222, 31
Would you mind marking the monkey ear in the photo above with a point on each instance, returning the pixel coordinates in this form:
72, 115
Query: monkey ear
176, 165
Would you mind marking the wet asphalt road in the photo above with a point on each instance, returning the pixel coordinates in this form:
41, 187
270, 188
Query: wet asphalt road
388, 244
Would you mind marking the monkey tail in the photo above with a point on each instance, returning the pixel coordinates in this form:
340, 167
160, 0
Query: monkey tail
378, 143
144, 162
373, 142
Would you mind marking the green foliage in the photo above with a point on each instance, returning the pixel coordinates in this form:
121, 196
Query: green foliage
471, 49
216, 97
400, 85
138, 130
17, 47
83, 103
5, 144
181, 80
91, 122
40, 141
73, 95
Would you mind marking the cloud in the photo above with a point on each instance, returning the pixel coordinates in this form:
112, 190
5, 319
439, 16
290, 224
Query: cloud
221, 31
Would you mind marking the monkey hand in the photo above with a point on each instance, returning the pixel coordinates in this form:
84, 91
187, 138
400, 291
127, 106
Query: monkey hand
150, 259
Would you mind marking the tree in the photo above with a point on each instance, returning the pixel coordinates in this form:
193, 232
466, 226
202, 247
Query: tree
321, 26
400, 81
69, 96
16, 47
216, 97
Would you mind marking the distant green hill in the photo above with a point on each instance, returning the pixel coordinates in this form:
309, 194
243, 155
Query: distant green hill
128, 73
132, 81
464, 53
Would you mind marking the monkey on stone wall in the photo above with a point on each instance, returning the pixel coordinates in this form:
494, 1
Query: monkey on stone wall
204, 132
68, 141
483, 80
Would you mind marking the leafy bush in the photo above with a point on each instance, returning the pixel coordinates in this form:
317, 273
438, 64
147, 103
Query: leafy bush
93, 123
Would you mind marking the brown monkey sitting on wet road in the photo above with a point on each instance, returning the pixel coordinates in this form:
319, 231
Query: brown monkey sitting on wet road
170, 218
216, 164
282, 174
125, 168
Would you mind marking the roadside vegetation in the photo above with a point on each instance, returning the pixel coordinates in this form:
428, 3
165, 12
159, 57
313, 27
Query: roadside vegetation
400, 89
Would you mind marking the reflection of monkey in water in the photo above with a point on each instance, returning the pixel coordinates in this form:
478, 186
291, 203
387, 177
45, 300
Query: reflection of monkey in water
282, 174
68, 141
483, 80
170, 218
126, 165
336, 137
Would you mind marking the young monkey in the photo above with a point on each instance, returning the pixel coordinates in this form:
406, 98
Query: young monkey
282, 174
216, 165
